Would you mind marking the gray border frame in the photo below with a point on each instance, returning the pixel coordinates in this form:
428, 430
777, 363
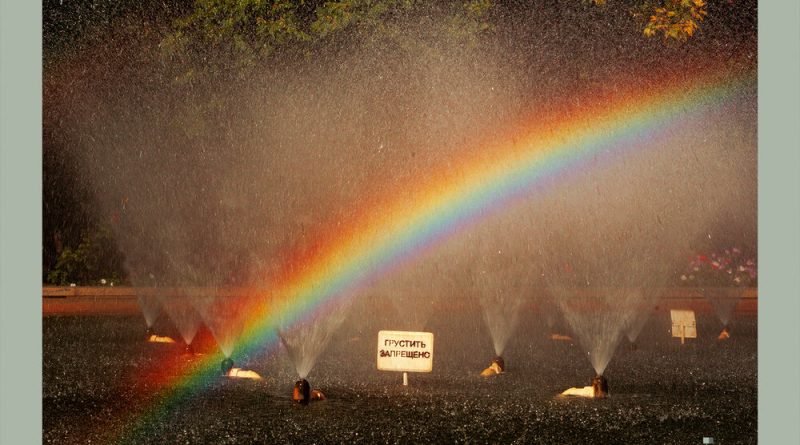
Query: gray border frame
779, 222
20, 222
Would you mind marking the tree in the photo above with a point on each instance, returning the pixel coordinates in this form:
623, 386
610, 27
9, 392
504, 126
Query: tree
231, 37
674, 19
97, 260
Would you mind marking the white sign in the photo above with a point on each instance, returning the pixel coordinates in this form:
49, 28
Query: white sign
405, 351
684, 324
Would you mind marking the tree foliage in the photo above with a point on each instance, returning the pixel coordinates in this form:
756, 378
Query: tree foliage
235, 35
95, 261
674, 19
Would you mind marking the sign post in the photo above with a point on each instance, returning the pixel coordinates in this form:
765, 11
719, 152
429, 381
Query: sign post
405, 352
684, 324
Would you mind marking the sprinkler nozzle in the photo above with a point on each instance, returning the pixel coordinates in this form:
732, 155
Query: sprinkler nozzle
189, 349
227, 365
600, 387
302, 392
501, 364
498, 366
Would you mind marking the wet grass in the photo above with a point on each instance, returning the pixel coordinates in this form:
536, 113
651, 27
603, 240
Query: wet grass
661, 392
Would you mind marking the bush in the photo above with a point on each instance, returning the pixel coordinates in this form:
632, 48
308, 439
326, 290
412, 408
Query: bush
96, 261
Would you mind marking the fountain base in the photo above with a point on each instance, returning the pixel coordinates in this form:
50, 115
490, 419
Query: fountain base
303, 394
239, 373
600, 386
598, 389
498, 366
159, 339
152, 337
560, 337
226, 366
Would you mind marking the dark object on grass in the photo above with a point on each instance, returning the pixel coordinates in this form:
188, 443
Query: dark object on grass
501, 364
227, 365
302, 392
600, 387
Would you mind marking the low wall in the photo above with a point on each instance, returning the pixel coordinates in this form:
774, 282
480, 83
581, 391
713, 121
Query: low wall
119, 300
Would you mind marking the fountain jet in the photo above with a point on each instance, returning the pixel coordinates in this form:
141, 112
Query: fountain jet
600, 387
498, 366
227, 365
303, 394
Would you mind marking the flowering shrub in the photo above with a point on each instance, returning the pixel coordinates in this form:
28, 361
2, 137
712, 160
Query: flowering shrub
729, 268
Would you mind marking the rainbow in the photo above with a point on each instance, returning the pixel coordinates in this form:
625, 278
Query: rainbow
390, 232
